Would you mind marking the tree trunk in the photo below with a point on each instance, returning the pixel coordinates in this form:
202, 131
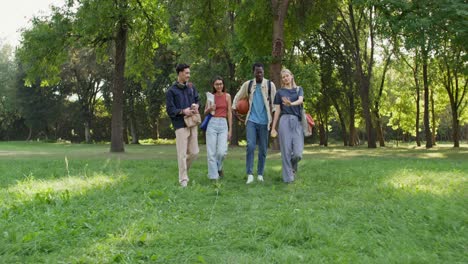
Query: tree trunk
456, 129
364, 79
433, 118
418, 108
30, 134
133, 130
233, 85
323, 135
87, 131
235, 131
117, 143
280, 10
233, 91
456, 93
352, 120
125, 131
156, 128
427, 128
380, 134
342, 122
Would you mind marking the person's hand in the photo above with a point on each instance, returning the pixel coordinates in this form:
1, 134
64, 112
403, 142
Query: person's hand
237, 115
188, 112
286, 101
273, 133
194, 108
229, 135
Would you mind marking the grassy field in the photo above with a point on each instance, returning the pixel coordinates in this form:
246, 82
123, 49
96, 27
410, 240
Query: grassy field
64, 203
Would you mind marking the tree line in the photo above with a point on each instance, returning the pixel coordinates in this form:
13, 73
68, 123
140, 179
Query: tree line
372, 71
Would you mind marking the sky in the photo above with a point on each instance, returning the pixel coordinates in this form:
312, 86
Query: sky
16, 14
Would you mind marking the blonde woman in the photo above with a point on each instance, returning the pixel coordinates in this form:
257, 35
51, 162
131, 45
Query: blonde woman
288, 103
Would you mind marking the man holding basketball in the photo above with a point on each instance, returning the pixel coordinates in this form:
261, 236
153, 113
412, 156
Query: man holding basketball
259, 93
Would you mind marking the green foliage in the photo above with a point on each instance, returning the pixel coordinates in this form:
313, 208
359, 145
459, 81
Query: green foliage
8, 110
82, 204
43, 49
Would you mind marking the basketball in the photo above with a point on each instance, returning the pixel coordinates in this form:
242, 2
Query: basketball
242, 106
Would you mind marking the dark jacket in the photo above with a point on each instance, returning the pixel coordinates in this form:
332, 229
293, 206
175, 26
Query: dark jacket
179, 97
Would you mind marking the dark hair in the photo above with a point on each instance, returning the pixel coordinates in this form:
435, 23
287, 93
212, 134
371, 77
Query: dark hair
217, 78
257, 65
181, 67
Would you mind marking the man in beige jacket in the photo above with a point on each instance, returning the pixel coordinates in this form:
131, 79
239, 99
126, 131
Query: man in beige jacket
260, 93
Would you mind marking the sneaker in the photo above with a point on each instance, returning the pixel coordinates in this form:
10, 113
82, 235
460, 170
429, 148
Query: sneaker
249, 178
260, 178
183, 183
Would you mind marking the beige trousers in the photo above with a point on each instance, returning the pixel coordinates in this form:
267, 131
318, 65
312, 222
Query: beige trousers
187, 149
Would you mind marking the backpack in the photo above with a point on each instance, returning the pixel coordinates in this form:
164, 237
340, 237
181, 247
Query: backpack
307, 121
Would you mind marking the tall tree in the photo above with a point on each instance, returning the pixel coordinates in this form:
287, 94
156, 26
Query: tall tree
416, 21
453, 57
361, 29
83, 75
8, 111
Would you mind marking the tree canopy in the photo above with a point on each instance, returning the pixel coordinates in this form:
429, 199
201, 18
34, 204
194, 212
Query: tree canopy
101, 68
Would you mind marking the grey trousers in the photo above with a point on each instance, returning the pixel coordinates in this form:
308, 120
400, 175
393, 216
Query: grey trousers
291, 139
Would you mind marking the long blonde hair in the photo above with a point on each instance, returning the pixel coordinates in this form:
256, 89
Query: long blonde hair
293, 83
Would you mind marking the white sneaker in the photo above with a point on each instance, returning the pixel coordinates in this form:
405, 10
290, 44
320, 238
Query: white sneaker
249, 178
260, 178
183, 183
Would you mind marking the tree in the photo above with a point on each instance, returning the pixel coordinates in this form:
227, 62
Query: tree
84, 75
106, 26
416, 22
452, 59
362, 36
8, 112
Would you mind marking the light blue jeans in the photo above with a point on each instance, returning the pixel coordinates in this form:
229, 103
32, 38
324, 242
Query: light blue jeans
256, 134
216, 145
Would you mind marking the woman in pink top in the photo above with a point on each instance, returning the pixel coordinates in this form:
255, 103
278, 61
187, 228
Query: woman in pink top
219, 128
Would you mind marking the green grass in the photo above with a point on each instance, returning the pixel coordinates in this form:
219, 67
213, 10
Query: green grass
64, 203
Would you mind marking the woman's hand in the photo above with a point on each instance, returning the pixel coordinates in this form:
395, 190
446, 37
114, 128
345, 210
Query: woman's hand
286, 101
273, 133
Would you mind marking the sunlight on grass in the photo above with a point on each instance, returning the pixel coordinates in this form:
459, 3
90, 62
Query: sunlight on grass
433, 155
436, 183
22, 153
31, 189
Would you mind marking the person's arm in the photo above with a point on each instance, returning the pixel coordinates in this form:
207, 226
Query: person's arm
240, 94
171, 109
299, 101
196, 98
207, 107
275, 120
272, 95
229, 115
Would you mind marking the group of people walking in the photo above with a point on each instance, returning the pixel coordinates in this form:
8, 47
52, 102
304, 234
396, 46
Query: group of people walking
268, 108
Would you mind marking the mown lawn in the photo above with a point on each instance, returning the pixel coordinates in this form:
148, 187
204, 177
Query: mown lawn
64, 203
